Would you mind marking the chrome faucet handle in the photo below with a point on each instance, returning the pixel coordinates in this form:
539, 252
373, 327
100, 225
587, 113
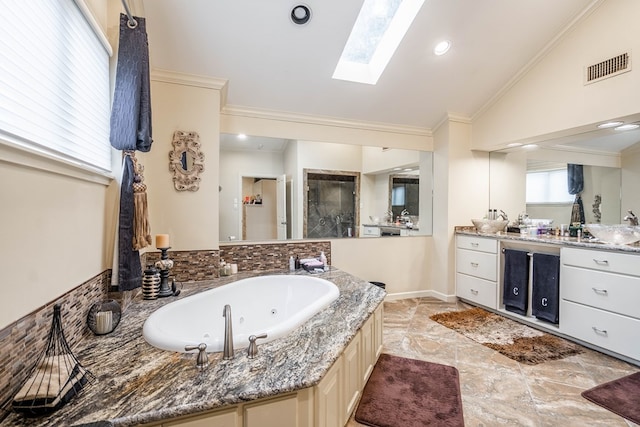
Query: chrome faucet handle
202, 361
252, 350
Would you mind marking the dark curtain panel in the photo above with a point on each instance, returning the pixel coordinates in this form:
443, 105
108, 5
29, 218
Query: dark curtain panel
575, 178
575, 182
130, 130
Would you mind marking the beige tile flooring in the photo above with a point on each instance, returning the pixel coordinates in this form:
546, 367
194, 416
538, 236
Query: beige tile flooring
497, 391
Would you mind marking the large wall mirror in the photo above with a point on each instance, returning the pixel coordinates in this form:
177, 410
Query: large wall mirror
277, 189
611, 170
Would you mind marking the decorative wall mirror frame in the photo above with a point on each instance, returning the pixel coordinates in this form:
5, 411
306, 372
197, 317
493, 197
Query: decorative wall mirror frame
186, 161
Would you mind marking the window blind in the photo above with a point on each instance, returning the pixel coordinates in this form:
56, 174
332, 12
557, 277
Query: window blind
54, 85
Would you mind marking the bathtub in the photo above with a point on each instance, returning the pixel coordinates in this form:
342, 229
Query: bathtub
274, 305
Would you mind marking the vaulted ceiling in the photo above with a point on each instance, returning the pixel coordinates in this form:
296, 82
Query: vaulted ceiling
273, 64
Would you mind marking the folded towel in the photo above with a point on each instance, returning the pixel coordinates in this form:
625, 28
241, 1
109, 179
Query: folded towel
312, 265
516, 281
545, 301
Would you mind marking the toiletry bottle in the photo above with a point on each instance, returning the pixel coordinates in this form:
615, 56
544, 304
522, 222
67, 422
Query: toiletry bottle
323, 260
297, 262
292, 263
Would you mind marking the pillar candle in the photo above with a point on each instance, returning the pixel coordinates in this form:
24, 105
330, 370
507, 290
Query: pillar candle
162, 241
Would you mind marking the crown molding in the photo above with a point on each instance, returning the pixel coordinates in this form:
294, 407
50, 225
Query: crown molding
185, 79
451, 117
240, 111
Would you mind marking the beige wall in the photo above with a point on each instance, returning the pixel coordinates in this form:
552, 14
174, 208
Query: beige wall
461, 192
190, 218
551, 96
53, 230
402, 263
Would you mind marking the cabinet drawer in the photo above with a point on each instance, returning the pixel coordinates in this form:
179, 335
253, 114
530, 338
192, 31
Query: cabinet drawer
608, 291
601, 260
611, 331
477, 244
483, 292
477, 264
371, 231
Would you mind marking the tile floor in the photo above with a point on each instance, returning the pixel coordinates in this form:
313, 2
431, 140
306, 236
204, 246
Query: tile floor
497, 391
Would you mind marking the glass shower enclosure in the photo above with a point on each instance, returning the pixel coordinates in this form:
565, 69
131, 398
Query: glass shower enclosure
331, 206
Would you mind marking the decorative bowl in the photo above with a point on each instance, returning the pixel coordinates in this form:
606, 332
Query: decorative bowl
490, 226
615, 234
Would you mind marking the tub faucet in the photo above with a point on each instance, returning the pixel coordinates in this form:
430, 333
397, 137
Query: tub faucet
228, 333
631, 217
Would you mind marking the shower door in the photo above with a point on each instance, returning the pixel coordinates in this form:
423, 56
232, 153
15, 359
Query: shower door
331, 204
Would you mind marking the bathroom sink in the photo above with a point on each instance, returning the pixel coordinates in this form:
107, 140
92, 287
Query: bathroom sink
617, 234
489, 225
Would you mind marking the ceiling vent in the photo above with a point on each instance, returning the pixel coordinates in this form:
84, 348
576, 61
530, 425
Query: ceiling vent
609, 68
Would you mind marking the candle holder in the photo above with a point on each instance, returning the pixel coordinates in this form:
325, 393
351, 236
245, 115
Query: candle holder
164, 265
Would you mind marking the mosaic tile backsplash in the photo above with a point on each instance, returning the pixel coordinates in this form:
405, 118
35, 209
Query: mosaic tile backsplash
22, 342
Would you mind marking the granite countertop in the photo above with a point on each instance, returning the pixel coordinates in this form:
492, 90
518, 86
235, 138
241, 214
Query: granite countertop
552, 240
136, 383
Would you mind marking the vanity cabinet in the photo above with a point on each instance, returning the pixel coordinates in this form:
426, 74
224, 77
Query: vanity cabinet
370, 231
599, 289
329, 404
477, 270
338, 393
599, 297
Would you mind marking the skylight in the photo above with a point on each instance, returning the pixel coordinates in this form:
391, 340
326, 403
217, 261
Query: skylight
374, 38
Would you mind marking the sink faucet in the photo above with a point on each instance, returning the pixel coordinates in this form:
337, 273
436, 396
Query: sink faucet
228, 333
503, 214
404, 212
631, 217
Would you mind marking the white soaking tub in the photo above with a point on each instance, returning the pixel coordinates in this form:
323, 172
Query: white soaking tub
275, 305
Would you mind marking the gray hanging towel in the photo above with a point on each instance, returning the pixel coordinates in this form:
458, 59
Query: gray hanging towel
545, 301
130, 130
516, 281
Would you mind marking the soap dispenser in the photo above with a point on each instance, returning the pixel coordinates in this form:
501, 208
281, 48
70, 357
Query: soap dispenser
323, 260
292, 263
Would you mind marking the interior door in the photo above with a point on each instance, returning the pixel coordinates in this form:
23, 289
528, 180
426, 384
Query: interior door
281, 206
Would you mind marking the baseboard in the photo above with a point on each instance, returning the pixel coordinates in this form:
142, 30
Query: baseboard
420, 294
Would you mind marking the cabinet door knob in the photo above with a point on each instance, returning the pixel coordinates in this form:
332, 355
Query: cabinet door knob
601, 261
474, 244
474, 264
473, 291
600, 291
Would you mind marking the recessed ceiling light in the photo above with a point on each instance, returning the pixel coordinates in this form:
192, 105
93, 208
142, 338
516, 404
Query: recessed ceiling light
530, 146
514, 144
442, 47
630, 126
609, 125
242, 136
